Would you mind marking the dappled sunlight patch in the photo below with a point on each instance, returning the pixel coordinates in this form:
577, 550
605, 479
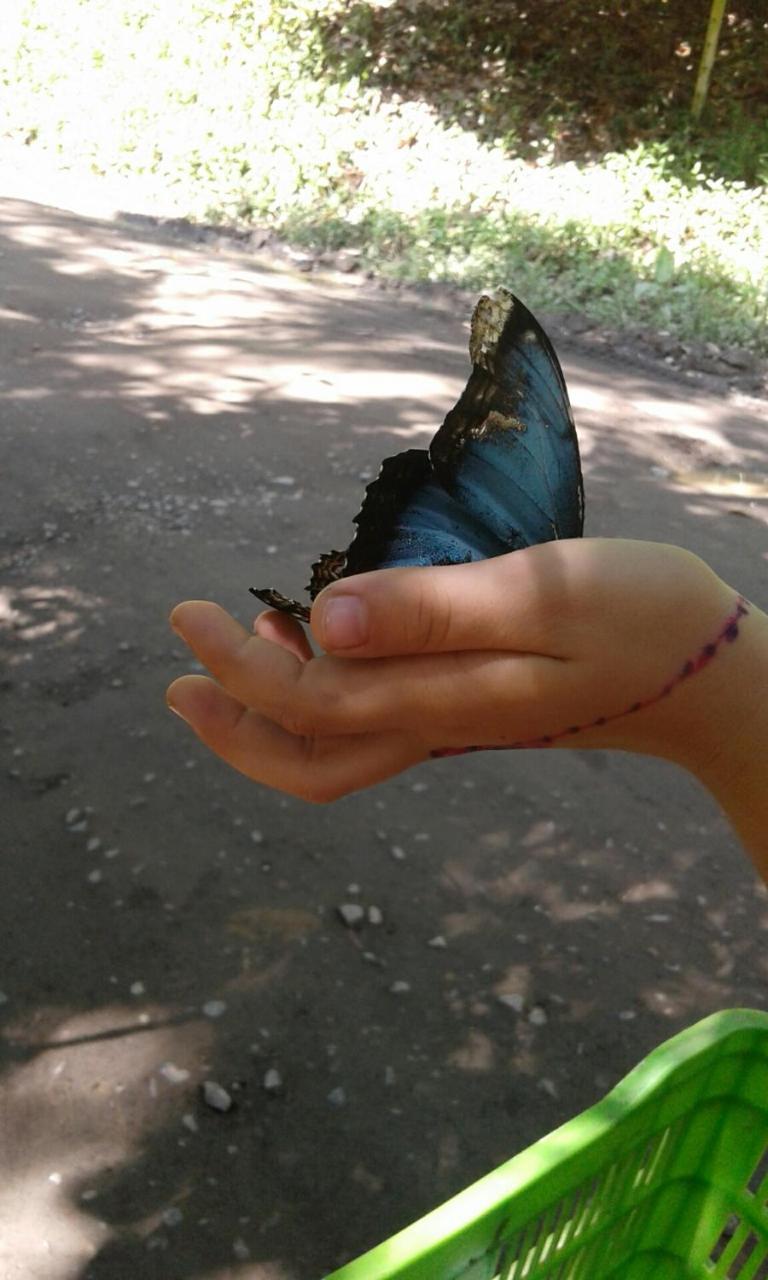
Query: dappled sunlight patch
8, 316
265, 924
87, 1092
730, 482
458, 876
691, 421
41, 1228
36, 613
516, 980
649, 891
538, 833
477, 1054
26, 393
263, 931
68, 254
351, 386
500, 839
684, 995
588, 399
459, 924
268, 1269
420, 431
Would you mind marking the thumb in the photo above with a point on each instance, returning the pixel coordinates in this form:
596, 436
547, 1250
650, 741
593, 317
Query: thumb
502, 603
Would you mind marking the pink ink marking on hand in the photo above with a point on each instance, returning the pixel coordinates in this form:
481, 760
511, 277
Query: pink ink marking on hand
728, 633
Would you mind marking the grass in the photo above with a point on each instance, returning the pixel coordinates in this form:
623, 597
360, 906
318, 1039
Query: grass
369, 126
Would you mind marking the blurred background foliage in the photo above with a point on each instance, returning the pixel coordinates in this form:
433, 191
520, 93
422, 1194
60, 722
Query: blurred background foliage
546, 144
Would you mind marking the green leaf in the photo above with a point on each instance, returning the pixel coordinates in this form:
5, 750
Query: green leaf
664, 267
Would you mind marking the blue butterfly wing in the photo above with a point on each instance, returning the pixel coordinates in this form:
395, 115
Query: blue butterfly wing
508, 452
409, 519
502, 472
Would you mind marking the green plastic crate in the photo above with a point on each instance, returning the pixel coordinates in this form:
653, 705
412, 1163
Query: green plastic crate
666, 1177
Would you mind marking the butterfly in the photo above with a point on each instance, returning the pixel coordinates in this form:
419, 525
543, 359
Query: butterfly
502, 472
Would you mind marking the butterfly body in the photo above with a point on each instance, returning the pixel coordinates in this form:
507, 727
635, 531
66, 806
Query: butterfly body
502, 472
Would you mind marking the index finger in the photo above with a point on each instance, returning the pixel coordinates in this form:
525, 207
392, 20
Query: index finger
421, 694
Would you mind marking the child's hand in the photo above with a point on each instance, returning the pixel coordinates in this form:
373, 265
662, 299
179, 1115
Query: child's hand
581, 643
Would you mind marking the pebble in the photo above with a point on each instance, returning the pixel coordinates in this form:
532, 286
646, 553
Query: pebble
437, 941
389, 1076
173, 1074
173, 1216
216, 1096
548, 1086
189, 1122
627, 1015
257, 837
72, 816
351, 914
400, 988
95, 877
111, 853
93, 844
398, 853
214, 1008
375, 915
3, 998
337, 1097
511, 1000
353, 889
137, 988
273, 1081
241, 1250
82, 825
538, 1016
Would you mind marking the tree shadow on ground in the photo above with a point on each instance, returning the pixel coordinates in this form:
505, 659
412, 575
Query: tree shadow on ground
589, 79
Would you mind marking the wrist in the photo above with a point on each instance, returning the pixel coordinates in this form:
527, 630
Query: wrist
728, 746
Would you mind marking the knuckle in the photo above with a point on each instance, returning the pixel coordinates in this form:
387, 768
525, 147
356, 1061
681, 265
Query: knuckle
301, 711
297, 722
321, 702
432, 623
315, 787
319, 793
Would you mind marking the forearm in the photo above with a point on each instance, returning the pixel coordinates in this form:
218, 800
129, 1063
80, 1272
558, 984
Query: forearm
733, 760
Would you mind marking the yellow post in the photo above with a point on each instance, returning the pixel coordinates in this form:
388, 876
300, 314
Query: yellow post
707, 57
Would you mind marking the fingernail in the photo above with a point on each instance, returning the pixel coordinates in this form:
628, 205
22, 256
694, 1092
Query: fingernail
344, 623
175, 710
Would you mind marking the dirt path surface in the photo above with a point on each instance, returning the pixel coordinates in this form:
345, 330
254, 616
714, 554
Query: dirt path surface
176, 421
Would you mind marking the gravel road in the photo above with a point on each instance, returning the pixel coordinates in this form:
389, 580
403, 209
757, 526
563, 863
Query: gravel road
183, 420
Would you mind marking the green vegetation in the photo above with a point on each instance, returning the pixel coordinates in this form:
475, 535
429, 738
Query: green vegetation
547, 146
